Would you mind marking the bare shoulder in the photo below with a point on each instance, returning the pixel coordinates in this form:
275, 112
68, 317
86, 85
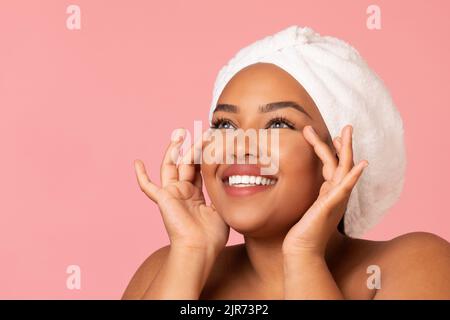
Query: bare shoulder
145, 274
151, 265
413, 266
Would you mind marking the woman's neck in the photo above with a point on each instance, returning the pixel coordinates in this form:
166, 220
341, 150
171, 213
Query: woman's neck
265, 258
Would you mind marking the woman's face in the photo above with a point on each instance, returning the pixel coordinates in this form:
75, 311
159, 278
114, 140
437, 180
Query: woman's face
255, 209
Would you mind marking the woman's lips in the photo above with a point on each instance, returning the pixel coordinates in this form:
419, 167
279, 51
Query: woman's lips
246, 179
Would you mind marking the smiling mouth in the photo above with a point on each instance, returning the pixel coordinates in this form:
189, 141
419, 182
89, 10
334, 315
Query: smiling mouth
245, 185
246, 179
240, 181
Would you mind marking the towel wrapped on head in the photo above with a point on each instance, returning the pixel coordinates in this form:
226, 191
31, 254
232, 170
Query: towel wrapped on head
346, 91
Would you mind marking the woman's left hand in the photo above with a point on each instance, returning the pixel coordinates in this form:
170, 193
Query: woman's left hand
311, 233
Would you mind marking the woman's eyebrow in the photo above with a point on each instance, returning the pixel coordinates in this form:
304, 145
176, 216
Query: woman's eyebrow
227, 108
273, 106
282, 104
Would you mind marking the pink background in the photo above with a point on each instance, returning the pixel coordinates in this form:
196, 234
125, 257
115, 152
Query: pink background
76, 107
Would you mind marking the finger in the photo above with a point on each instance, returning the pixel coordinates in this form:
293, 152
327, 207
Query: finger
350, 180
193, 155
187, 169
169, 172
322, 150
337, 144
337, 147
198, 181
345, 155
148, 187
345, 187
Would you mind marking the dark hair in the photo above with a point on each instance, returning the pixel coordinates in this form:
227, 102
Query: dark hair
341, 227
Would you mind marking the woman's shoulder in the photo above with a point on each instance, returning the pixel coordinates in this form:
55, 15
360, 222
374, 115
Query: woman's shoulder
413, 265
145, 273
407, 247
151, 265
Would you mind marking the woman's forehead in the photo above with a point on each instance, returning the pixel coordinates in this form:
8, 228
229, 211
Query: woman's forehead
262, 83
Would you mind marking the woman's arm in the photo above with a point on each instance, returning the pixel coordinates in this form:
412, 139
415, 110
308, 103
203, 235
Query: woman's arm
307, 277
182, 275
306, 272
196, 231
159, 275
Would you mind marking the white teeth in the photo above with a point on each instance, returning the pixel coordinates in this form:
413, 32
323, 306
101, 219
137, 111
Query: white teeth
245, 181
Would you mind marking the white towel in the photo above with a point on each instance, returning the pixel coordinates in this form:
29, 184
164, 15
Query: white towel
346, 91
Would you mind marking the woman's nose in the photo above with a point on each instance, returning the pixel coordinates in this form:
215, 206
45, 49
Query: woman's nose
244, 147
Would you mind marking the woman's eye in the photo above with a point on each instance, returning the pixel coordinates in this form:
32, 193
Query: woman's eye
280, 124
226, 125
277, 123
223, 124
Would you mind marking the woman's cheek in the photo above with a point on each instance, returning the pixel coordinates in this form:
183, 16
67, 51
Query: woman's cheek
300, 173
209, 177
296, 155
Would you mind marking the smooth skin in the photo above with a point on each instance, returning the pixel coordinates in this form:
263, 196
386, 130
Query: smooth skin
292, 247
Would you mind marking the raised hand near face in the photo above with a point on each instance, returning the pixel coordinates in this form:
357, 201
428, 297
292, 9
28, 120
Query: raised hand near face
312, 232
189, 221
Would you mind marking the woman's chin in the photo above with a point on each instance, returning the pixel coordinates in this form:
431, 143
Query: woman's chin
246, 221
263, 220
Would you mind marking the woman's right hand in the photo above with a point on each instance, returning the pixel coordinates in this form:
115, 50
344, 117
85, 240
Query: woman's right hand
190, 223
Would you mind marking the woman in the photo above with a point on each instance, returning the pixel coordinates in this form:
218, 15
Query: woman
298, 223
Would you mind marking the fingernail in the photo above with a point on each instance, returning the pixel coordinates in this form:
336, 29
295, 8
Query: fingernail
179, 134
